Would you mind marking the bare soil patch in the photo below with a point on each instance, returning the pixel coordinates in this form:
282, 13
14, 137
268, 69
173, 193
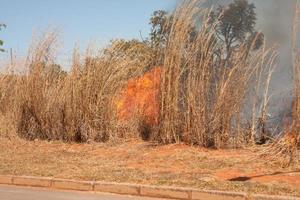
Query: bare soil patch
148, 163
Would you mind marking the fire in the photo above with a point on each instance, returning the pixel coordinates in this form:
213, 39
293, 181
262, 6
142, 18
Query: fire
140, 97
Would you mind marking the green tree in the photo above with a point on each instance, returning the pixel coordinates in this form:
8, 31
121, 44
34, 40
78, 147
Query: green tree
56, 70
235, 26
160, 28
135, 52
161, 23
1, 41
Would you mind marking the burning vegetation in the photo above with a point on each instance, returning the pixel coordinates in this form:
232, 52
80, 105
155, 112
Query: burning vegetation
139, 100
211, 89
140, 97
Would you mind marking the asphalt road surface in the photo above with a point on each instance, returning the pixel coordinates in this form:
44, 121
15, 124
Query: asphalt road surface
29, 193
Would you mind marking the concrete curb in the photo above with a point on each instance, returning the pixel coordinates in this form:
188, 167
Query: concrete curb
32, 181
133, 189
72, 185
6, 179
220, 195
165, 192
270, 197
117, 188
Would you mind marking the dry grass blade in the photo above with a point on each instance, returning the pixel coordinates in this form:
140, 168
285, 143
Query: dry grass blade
202, 97
286, 147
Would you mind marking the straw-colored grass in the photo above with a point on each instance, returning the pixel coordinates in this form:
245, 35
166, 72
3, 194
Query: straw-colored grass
46, 103
149, 164
203, 100
286, 147
296, 64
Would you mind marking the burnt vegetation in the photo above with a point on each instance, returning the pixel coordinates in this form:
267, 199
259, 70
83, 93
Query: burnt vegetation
214, 90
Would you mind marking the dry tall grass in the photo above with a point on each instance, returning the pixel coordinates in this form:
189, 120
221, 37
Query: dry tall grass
202, 99
46, 103
296, 65
286, 147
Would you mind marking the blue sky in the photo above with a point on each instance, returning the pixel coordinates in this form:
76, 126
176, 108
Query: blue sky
78, 21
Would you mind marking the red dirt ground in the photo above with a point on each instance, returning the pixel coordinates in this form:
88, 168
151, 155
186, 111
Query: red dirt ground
148, 163
291, 178
139, 96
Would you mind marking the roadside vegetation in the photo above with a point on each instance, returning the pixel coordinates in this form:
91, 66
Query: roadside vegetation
185, 106
215, 71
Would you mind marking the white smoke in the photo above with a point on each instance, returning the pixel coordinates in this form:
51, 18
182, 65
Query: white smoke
275, 20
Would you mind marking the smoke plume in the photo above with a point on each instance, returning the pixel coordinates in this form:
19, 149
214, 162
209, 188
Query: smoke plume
275, 20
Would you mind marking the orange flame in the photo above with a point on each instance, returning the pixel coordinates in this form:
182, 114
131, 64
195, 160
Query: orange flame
140, 96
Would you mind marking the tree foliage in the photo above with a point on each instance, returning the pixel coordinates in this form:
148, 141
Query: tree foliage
160, 28
235, 26
1, 41
131, 51
161, 23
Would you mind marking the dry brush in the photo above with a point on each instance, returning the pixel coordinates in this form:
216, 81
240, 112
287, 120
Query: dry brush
203, 99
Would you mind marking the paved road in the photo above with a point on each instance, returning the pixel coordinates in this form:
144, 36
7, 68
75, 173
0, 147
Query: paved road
28, 193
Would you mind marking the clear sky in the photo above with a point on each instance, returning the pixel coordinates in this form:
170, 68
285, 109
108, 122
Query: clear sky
78, 21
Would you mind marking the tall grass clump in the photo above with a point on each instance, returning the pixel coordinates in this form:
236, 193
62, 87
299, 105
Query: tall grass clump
45, 102
286, 147
203, 98
296, 68
206, 97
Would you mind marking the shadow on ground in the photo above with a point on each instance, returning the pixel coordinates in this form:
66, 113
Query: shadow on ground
247, 178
